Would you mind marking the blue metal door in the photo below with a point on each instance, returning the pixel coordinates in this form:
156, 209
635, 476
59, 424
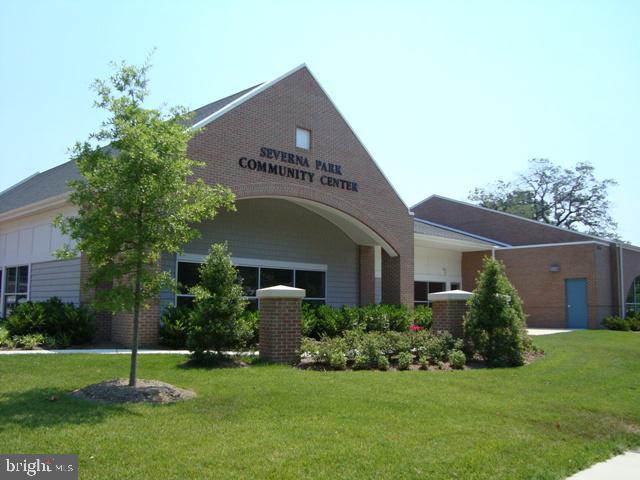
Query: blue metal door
576, 303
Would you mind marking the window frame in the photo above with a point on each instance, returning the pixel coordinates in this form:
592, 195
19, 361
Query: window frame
308, 130
259, 264
427, 302
3, 285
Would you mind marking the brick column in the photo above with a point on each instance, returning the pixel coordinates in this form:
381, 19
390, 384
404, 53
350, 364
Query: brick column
280, 313
122, 326
449, 309
397, 279
367, 273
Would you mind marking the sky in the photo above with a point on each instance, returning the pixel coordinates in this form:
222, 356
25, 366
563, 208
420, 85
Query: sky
445, 95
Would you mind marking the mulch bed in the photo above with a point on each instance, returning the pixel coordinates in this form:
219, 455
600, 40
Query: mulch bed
119, 391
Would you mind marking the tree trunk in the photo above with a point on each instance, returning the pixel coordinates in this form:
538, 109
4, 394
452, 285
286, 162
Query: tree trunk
133, 373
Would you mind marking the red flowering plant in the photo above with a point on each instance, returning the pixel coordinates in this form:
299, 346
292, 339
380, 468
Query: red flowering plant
416, 328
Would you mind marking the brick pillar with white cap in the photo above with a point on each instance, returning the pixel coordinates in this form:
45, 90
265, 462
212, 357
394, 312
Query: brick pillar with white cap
280, 315
449, 309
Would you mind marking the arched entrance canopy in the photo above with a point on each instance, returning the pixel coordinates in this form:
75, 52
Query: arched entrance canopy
354, 228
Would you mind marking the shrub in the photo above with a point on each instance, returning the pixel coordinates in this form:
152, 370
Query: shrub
29, 341
53, 318
405, 359
457, 359
382, 362
174, 327
324, 320
5, 339
361, 363
338, 360
423, 317
617, 323
495, 322
217, 321
252, 319
424, 362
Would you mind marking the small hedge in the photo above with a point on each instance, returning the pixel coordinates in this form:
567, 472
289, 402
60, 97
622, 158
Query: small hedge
630, 323
378, 350
175, 324
317, 321
323, 320
52, 322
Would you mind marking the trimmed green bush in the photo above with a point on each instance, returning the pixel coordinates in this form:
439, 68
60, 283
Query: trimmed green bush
423, 317
405, 360
217, 322
630, 322
457, 359
174, 327
382, 362
365, 350
65, 323
324, 320
495, 326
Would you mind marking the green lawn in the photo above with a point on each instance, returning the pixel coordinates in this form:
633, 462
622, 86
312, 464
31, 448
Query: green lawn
578, 405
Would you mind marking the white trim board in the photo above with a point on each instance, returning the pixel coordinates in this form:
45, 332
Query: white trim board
256, 262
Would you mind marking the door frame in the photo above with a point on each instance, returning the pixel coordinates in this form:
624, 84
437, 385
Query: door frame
566, 300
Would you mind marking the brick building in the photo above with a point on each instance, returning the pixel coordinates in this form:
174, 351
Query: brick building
314, 211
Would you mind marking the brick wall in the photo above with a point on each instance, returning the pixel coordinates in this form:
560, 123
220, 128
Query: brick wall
543, 291
366, 275
448, 315
280, 329
269, 120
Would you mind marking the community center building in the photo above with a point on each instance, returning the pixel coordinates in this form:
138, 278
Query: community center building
315, 211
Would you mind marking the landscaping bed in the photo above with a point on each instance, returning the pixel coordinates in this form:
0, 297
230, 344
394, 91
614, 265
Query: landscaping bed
119, 391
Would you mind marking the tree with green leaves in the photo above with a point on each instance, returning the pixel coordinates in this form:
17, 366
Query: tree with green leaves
137, 197
564, 197
495, 324
217, 321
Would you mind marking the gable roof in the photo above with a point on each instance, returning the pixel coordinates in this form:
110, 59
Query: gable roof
53, 182
425, 227
503, 227
11, 199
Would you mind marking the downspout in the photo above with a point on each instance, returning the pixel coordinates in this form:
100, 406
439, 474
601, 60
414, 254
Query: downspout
621, 280
493, 252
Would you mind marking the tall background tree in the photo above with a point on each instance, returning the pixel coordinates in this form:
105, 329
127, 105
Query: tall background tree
136, 198
565, 197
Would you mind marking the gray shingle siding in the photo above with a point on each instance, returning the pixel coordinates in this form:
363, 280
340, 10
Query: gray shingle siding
58, 278
272, 229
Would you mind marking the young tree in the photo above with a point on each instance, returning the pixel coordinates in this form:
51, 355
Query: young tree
136, 198
571, 198
217, 320
495, 323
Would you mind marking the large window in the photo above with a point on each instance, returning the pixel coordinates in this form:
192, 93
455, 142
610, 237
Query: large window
16, 287
633, 297
421, 291
254, 278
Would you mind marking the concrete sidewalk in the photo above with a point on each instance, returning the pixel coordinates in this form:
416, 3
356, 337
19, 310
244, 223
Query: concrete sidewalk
107, 351
622, 467
534, 332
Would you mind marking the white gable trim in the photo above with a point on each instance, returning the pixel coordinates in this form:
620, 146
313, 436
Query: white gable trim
240, 100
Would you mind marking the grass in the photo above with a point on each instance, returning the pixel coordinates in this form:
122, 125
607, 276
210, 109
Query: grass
577, 406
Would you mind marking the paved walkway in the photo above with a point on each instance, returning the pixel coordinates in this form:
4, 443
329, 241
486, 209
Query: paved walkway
107, 351
622, 467
534, 332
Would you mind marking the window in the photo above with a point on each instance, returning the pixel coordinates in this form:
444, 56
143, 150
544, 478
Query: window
421, 291
188, 276
455, 286
303, 138
254, 278
633, 296
16, 287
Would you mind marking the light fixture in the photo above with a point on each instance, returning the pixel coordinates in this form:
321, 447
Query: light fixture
554, 267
